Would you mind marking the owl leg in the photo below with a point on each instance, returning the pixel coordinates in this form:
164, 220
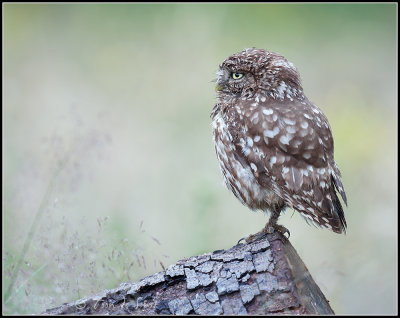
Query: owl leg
270, 227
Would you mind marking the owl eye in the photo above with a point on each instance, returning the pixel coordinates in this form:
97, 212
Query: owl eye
237, 75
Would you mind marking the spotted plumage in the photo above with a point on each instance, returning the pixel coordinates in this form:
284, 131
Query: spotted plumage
274, 146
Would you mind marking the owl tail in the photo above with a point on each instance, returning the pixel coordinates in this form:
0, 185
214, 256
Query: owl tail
337, 206
340, 221
338, 183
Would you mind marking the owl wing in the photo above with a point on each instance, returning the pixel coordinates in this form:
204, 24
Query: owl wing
289, 147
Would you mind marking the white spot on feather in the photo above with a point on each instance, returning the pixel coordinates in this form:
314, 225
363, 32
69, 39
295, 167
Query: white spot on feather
246, 151
289, 121
303, 133
307, 216
304, 124
285, 170
291, 129
296, 143
249, 142
271, 133
285, 139
255, 115
281, 90
307, 116
268, 111
239, 186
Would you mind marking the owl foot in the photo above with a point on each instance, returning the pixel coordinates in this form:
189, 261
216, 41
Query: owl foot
268, 229
281, 229
255, 237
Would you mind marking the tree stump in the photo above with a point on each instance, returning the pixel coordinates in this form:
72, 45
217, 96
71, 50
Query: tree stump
262, 277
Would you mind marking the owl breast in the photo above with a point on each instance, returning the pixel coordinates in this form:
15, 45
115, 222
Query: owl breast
238, 175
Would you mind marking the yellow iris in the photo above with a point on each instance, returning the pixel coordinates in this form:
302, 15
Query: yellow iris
237, 76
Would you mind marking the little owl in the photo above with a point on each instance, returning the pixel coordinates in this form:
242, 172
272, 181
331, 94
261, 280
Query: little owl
274, 146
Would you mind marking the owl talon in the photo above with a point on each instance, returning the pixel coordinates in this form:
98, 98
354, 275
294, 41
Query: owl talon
268, 229
242, 239
283, 230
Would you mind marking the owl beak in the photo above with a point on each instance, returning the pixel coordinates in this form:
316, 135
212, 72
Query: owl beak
218, 88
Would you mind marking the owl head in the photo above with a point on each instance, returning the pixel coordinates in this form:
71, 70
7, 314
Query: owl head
257, 71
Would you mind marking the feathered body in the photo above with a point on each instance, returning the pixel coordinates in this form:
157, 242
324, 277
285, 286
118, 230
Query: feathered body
274, 146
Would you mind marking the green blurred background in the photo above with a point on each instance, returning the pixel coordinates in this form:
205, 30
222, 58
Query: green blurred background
107, 143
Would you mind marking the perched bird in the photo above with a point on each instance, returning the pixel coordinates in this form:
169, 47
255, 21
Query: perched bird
274, 146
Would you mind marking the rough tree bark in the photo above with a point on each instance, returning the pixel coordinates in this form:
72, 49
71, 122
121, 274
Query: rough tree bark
263, 277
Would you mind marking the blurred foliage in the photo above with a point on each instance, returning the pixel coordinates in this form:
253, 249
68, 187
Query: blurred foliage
125, 90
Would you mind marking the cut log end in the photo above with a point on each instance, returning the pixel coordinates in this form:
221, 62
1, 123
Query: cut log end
262, 277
